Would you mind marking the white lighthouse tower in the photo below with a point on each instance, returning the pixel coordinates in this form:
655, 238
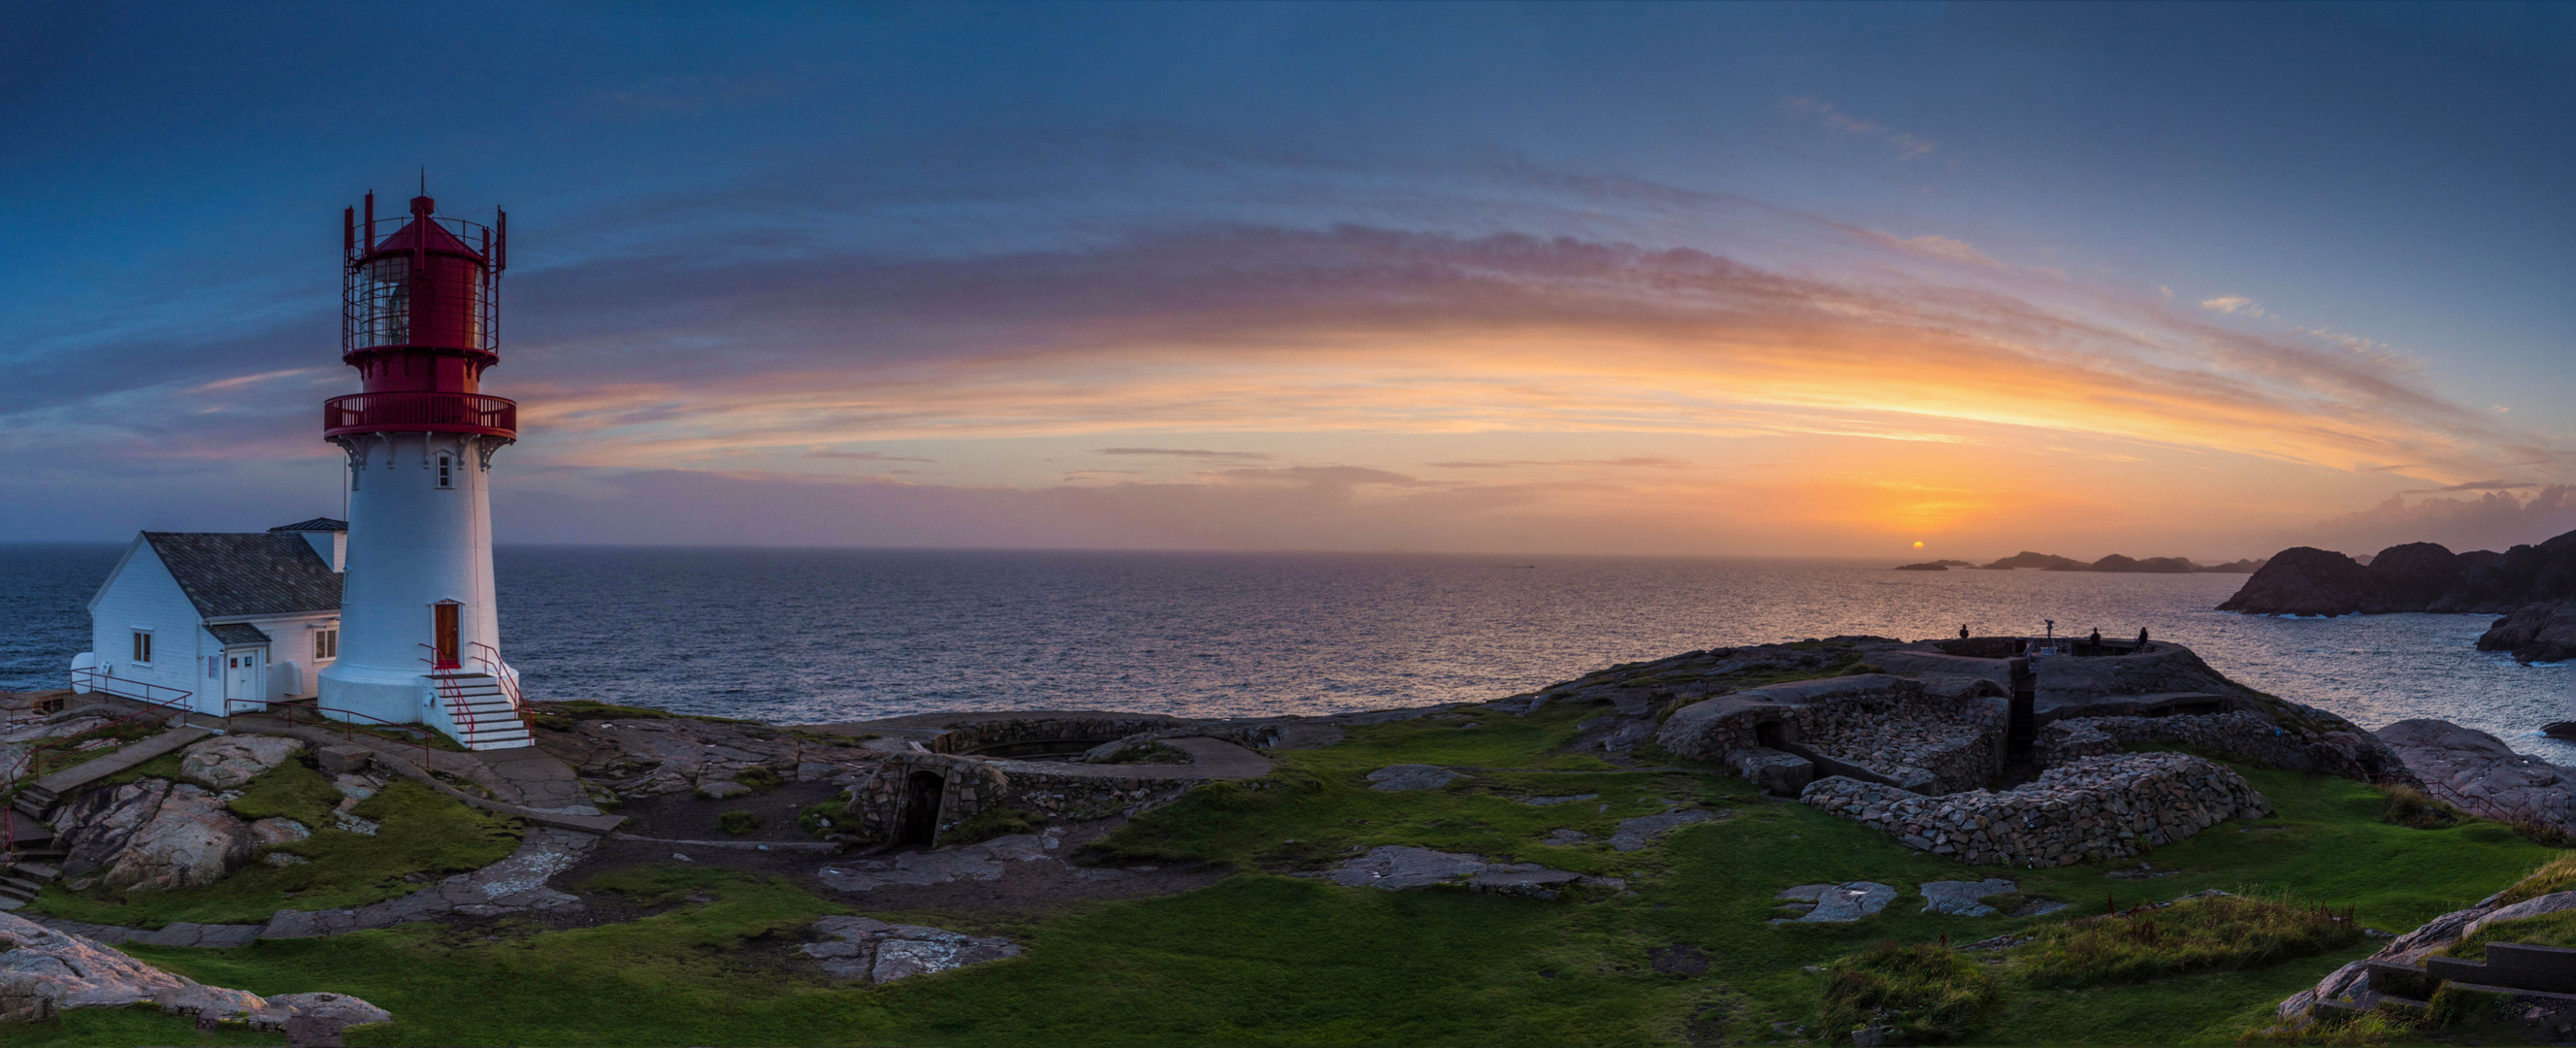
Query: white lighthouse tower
420, 640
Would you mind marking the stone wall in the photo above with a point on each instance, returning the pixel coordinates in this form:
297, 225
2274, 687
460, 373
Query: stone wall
968, 738
2240, 736
2095, 808
1882, 724
969, 786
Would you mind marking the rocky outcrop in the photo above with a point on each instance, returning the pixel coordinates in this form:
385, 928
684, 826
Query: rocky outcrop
44, 972
229, 762
2479, 774
650, 754
2095, 808
2120, 563
2534, 587
153, 835
879, 952
2345, 752
2349, 986
1870, 726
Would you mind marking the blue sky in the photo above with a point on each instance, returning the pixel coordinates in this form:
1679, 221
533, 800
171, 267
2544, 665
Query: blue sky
2225, 276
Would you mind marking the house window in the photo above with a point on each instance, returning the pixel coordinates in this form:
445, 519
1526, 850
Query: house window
211, 668
326, 644
143, 647
446, 470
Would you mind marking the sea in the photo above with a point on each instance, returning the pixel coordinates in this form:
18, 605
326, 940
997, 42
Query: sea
822, 635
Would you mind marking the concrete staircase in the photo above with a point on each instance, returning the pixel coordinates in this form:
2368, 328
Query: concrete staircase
34, 857
484, 716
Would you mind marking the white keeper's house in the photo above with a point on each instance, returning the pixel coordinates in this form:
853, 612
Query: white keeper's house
388, 618
210, 618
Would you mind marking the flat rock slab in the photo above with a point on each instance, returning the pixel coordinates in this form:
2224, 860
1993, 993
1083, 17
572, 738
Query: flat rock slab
1397, 777
881, 952
1959, 898
1396, 867
1838, 903
516, 884
45, 971
1638, 833
971, 862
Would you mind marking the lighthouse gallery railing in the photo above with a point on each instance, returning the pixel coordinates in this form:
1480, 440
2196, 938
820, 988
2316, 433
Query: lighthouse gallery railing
420, 411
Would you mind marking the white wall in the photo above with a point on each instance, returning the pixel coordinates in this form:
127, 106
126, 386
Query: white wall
411, 545
140, 594
291, 640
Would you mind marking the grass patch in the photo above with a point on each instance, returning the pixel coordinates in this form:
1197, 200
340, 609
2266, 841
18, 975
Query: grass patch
2222, 933
990, 823
293, 790
759, 777
165, 766
1149, 753
2548, 929
825, 818
424, 835
2556, 875
737, 823
2408, 806
1267, 959
139, 1024
1927, 993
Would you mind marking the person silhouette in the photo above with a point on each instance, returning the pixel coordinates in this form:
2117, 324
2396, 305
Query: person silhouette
1963, 631
2142, 638
2095, 643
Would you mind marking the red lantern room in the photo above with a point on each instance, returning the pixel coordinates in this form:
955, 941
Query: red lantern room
418, 319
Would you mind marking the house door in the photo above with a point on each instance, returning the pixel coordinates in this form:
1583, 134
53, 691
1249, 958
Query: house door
243, 676
443, 627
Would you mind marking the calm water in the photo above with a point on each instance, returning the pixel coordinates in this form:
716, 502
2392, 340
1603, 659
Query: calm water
816, 635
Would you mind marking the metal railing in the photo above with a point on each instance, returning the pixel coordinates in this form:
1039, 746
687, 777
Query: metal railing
98, 681
347, 721
420, 411
467, 721
490, 659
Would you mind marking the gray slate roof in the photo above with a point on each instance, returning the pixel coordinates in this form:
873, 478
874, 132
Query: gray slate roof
231, 574
315, 524
238, 633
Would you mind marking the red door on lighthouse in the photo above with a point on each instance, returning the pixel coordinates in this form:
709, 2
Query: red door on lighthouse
443, 627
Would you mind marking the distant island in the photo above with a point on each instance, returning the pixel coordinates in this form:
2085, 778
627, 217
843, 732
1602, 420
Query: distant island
1935, 565
2114, 562
2533, 587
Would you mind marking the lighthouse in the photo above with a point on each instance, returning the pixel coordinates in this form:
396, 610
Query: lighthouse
420, 638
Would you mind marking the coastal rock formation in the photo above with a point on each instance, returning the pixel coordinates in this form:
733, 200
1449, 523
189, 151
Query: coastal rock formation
2121, 563
2477, 773
229, 762
44, 972
1871, 726
2095, 808
153, 835
880, 952
2533, 587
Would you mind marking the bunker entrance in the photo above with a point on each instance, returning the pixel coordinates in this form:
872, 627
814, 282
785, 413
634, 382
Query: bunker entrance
921, 797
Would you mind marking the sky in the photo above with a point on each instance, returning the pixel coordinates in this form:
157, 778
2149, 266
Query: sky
1901, 281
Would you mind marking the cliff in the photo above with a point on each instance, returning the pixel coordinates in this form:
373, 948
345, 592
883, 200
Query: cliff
2533, 587
2120, 563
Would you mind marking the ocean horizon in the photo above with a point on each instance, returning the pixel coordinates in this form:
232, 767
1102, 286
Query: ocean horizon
808, 635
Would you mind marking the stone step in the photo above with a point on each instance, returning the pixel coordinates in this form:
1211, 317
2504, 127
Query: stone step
28, 886
35, 871
492, 732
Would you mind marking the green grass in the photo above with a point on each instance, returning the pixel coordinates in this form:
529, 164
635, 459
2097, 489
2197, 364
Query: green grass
1266, 959
141, 1024
738, 823
2216, 934
1929, 994
423, 833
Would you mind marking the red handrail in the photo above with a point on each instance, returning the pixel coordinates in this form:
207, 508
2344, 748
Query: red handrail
447, 689
413, 411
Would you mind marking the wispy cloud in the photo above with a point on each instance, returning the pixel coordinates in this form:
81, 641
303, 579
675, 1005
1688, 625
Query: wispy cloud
2232, 304
2477, 485
863, 456
1240, 456
1640, 461
1908, 146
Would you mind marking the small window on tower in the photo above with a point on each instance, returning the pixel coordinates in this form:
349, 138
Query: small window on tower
446, 471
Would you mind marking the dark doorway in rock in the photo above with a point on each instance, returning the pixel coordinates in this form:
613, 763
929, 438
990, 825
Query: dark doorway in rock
1771, 735
920, 809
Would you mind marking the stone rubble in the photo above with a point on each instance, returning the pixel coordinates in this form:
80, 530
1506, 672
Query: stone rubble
1835, 903
44, 972
971, 862
1876, 724
2238, 735
1396, 867
880, 952
1963, 898
2096, 808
